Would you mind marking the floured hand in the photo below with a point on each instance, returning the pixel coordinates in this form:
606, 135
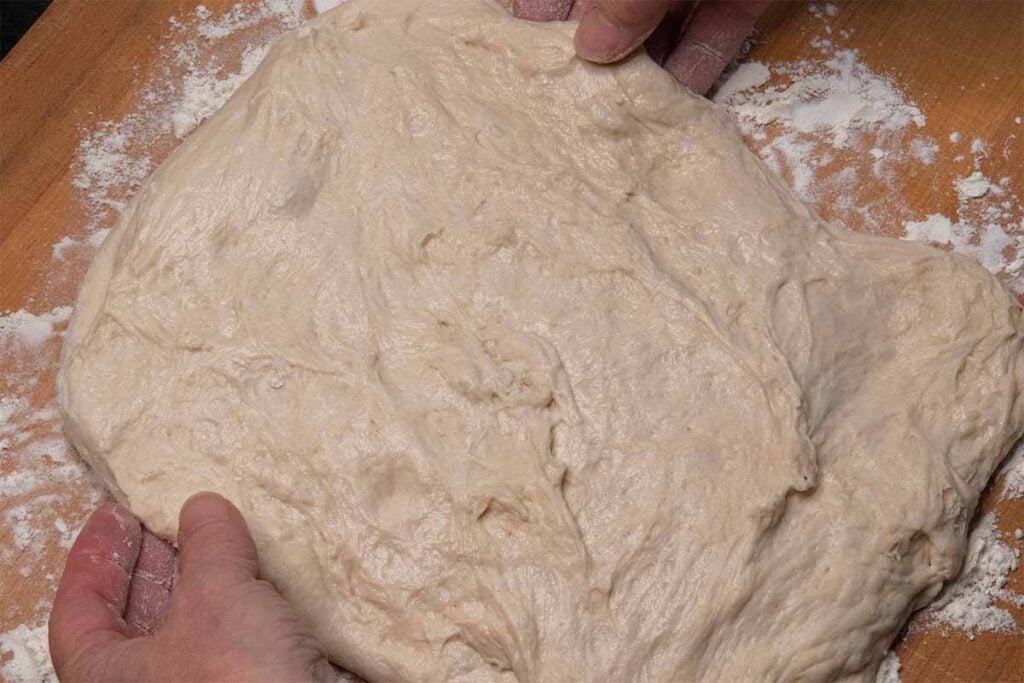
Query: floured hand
122, 612
693, 39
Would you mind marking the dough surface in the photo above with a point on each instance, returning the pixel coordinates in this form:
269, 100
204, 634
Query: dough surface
525, 369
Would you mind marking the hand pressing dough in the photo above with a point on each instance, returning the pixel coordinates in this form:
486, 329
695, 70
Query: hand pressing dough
526, 369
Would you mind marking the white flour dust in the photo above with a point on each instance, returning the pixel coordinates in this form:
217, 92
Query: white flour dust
807, 119
109, 168
189, 86
976, 185
828, 125
31, 329
29, 655
243, 16
988, 226
36, 461
322, 6
889, 671
972, 604
1012, 474
27, 349
204, 91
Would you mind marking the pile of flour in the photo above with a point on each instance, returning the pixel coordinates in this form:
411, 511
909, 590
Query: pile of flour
819, 108
823, 124
829, 124
29, 655
972, 603
988, 226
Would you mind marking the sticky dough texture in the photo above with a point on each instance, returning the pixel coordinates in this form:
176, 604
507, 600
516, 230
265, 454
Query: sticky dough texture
521, 368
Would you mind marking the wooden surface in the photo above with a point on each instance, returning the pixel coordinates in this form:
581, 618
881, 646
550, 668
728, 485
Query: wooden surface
86, 61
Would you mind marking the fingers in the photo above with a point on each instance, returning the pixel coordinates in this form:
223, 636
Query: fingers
711, 40
149, 595
541, 10
581, 7
94, 588
612, 29
214, 544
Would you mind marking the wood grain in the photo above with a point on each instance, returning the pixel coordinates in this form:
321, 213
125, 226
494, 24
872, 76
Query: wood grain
85, 62
961, 62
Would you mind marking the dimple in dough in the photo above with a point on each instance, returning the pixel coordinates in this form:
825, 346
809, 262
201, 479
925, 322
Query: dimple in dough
525, 369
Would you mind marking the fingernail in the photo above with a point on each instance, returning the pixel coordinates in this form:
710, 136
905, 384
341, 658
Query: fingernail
600, 40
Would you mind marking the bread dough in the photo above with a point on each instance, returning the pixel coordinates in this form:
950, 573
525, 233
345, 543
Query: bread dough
522, 368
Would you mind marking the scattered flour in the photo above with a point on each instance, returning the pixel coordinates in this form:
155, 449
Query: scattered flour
110, 167
204, 89
187, 88
825, 124
65, 243
322, 6
936, 228
33, 439
747, 76
969, 604
838, 98
96, 238
10, 407
243, 16
976, 185
924, 150
1012, 474
822, 11
989, 226
30, 655
25, 349
889, 671
29, 329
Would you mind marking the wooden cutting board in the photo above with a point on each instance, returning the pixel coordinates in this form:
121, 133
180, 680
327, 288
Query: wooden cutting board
86, 62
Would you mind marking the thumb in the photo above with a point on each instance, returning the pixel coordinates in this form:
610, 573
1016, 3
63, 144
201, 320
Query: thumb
214, 544
611, 29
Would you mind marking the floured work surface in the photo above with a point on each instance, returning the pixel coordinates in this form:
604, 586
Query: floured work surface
455, 319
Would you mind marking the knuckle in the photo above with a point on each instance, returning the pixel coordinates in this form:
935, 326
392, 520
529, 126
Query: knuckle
633, 13
86, 664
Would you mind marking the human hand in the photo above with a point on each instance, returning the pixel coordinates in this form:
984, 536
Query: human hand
694, 40
121, 614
